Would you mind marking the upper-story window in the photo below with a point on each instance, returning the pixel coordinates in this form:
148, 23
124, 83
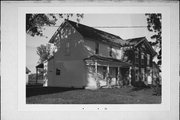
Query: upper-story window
110, 51
148, 59
136, 57
67, 48
97, 48
142, 58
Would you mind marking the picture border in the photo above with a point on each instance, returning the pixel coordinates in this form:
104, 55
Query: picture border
164, 106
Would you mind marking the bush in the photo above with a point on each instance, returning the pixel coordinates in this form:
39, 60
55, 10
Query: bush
157, 87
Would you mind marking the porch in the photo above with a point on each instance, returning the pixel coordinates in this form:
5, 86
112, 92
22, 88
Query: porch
105, 72
41, 73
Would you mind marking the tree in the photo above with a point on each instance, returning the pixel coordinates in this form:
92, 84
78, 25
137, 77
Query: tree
36, 22
154, 25
44, 53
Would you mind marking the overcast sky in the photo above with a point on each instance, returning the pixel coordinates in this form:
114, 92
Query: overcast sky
94, 20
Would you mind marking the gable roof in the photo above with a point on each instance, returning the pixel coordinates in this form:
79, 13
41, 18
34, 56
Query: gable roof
136, 41
104, 37
95, 34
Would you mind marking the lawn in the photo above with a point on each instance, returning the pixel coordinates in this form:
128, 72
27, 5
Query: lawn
129, 95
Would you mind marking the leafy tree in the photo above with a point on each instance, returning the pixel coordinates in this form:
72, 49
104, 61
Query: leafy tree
154, 25
44, 53
36, 22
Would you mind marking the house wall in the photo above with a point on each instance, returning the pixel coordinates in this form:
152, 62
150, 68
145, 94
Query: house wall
89, 47
75, 41
141, 69
72, 74
104, 49
51, 72
67, 68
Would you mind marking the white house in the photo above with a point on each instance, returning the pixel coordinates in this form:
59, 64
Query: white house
90, 58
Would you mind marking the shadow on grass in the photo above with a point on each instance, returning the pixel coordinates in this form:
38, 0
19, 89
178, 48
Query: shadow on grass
139, 88
39, 90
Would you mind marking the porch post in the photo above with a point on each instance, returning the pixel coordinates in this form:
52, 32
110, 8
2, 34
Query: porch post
96, 78
130, 77
117, 80
96, 67
108, 69
107, 79
152, 75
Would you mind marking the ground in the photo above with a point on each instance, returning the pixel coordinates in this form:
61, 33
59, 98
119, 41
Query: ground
128, 95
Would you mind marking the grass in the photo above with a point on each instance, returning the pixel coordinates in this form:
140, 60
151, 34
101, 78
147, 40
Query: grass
55, 95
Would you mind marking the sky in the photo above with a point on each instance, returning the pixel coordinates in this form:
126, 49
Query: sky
118, 24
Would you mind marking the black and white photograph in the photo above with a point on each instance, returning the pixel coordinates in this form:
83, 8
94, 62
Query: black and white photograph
93, 58
89, 60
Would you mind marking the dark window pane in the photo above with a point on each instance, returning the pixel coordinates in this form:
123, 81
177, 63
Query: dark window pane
58, 71
97, 48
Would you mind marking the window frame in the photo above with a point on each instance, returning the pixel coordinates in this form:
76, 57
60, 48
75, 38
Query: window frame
96, 48
142, 58
148, 59
67, 48
136, 57
58, 72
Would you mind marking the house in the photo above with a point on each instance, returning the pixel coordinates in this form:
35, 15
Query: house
141, 56
89, 58
27, 75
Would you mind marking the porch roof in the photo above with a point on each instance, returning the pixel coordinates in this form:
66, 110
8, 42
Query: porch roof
108, 60
41, 65
27, 70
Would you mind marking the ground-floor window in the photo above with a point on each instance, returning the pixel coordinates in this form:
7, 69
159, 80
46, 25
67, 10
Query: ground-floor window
143, 74
58, 71
136, 74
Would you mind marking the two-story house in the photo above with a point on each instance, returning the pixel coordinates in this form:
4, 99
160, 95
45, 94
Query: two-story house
87, 57
140, 55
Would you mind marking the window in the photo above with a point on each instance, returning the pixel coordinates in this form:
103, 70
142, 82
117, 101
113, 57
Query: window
148, 59
136, 74
97, 48
142, 58
67, 48
110, 51
58, 71
136, 57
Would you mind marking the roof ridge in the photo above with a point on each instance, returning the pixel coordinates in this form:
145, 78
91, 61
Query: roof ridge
135, 38
70, 21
